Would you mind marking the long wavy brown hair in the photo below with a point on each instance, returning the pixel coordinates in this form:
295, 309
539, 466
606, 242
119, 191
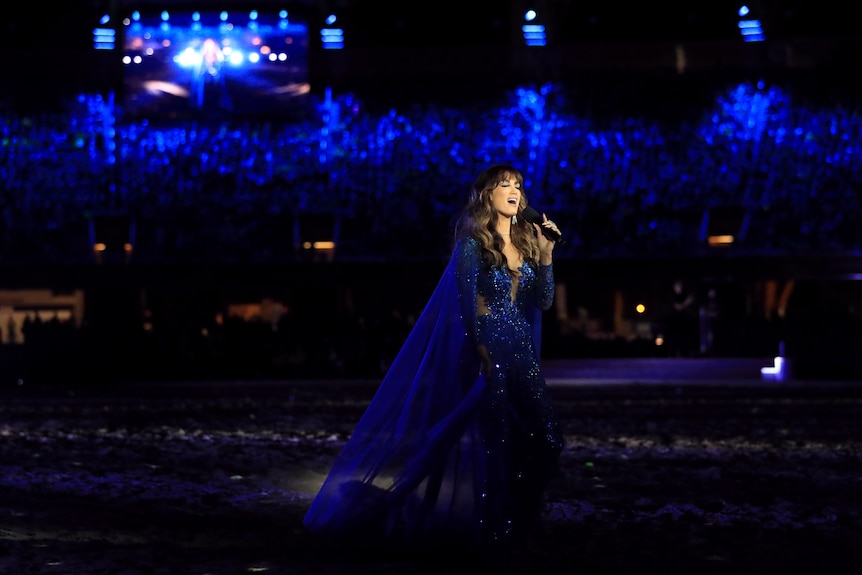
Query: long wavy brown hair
478, 219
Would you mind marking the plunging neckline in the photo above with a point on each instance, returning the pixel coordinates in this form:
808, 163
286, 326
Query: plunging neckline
514, 280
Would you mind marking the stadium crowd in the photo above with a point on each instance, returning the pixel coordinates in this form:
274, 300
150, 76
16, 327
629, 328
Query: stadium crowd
625, 180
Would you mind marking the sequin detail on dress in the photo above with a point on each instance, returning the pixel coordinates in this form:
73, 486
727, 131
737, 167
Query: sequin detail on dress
443, 454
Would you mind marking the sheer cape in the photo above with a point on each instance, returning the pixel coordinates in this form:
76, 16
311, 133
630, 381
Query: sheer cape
410, 468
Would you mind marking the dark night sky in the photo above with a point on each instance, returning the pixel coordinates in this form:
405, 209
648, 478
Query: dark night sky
446, 21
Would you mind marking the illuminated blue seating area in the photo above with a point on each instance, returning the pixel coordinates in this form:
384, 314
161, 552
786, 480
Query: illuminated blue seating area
624, 180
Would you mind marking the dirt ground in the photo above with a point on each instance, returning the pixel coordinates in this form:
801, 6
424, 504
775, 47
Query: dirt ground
214, 478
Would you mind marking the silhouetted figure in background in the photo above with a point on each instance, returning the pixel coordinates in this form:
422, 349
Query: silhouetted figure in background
681, 333
708, 316
11, 330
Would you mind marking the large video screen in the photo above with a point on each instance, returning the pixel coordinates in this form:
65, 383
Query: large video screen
214, 64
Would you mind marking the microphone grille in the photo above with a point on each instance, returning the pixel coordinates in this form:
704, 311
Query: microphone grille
532, 215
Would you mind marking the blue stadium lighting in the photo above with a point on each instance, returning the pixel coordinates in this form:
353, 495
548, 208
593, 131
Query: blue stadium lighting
104, 38
196, 16
747, 25
534, 34
750, 29
252, 15
165, 16
105, 19
188, 58
332, 38
332, 34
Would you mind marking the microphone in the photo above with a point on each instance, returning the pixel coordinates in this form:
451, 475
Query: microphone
535, 217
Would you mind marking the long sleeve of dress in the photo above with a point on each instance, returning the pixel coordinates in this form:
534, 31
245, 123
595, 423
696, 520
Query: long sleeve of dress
544, 290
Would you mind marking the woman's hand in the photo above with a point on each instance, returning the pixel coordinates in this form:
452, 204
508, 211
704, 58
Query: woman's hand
546, 246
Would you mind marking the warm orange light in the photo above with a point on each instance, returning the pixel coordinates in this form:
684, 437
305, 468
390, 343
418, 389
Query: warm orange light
640, 308
720, 240
319, 245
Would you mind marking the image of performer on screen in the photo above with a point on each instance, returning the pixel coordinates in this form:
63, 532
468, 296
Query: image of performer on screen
210, 72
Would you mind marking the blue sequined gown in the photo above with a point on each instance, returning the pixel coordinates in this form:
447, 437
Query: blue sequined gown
444, 454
